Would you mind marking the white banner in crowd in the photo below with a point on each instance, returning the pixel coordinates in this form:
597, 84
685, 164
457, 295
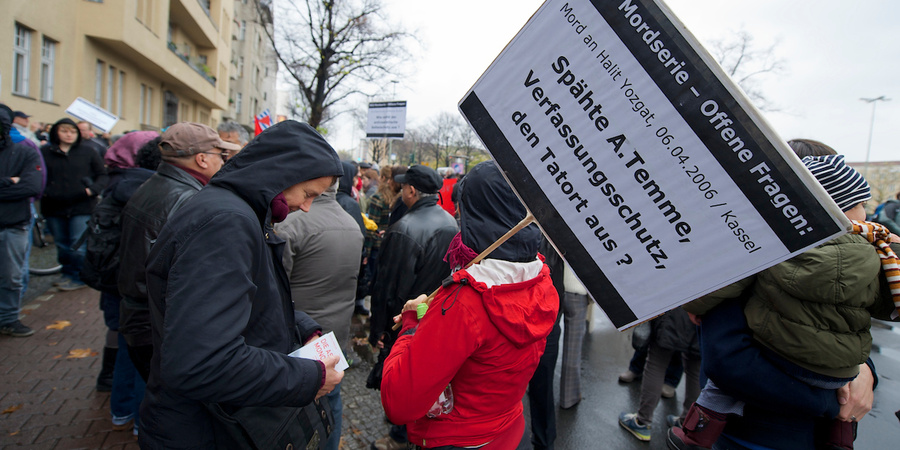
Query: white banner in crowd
644, 164
386, 120
97, 116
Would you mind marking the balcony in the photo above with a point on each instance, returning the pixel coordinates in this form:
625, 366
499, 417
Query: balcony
198, 67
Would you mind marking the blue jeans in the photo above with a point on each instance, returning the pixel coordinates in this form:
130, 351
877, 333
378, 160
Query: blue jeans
337, 410
127, 387
13, 245
66, 232
28, 253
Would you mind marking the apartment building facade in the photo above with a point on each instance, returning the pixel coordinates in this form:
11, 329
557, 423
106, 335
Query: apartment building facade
152, 63
254, 63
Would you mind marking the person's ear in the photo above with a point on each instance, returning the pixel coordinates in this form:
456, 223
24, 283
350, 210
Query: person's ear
200, 160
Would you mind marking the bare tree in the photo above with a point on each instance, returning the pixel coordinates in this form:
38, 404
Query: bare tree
467, 143
440, 132
333, 49
746, 64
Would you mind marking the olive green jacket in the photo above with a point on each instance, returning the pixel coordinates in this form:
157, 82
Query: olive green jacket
815, 309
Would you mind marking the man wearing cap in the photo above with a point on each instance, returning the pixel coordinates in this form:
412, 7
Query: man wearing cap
411, 264
192, 153
20, 123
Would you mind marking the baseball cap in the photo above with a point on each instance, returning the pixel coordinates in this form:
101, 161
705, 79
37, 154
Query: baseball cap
20, 114
188, 138
423, 178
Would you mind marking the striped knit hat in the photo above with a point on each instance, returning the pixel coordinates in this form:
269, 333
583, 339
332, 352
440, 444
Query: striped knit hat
843, 183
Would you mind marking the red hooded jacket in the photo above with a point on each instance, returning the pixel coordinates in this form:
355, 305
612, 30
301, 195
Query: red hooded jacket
483, 335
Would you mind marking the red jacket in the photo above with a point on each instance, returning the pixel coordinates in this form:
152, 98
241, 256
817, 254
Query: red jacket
484, 341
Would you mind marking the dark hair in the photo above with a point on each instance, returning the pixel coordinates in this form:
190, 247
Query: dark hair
149, 156
809, 147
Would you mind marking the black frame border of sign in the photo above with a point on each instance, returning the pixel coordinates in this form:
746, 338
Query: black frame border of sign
549, 220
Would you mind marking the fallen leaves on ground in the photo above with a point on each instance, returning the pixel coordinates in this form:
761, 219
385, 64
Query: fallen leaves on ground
58, 325
81, 353
13, 408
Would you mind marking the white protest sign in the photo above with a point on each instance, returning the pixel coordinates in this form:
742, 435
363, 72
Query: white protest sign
642, 162
89, 112
321, 348
386, 120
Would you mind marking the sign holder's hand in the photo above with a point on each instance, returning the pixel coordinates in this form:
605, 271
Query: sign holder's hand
529, 218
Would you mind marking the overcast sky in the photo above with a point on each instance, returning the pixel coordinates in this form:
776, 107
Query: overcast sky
835, 53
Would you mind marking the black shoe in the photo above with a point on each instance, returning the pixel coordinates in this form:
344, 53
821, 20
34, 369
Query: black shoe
105, 378
16, 329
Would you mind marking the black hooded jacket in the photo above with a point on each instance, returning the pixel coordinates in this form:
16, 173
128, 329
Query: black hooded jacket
344, 195
220, 302
16, 160
68, 174
411, 263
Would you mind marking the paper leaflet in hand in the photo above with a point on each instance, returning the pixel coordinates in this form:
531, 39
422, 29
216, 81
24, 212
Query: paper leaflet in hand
322, 348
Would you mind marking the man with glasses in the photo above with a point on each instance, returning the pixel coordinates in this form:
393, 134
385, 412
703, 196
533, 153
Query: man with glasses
192, 153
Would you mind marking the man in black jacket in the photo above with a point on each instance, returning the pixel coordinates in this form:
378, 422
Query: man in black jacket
20, 179
192, 153
411, 263
220, 301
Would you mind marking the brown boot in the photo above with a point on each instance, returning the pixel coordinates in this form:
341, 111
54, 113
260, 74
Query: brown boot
701, 429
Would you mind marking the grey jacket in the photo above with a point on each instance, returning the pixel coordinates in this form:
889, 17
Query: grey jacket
321, 256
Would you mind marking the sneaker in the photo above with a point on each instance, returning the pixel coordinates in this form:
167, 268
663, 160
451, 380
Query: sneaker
628, 376
673, 421
667, 391
71, 285
16, 329
388, 443
630, 422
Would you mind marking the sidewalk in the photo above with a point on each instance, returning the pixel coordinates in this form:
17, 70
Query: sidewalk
48, 401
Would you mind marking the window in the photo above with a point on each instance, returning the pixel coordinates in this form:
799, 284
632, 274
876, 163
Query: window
256, 78
120, 89
110, 81
21, 61
48, 56
237, 104
243, 32
142, 117
240, 68
149, 114
98, 83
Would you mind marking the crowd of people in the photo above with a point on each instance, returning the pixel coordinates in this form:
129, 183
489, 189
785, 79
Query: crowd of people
216, 256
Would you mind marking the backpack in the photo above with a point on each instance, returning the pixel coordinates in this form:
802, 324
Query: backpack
101, 240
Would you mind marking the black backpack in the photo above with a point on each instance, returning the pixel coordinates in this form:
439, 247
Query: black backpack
101, 240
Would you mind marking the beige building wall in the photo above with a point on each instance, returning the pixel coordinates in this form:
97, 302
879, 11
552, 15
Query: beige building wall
150, 62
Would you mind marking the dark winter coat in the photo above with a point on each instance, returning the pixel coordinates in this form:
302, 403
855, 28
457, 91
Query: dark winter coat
344, 196
220, 302
68, 174
16, 160
142, 220
411, 262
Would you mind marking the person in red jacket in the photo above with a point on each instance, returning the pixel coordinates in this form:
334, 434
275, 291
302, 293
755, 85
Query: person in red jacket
457, 375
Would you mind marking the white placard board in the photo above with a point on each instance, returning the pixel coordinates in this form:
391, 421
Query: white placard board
89, 112
386, 120
645, 166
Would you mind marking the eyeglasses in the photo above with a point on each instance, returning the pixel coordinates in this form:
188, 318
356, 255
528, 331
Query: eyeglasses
223, 154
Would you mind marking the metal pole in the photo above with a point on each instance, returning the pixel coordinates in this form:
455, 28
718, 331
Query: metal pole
874, 102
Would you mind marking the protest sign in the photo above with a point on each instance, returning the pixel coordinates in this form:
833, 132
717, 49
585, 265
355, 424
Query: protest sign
386, 120
643, 163
95, 115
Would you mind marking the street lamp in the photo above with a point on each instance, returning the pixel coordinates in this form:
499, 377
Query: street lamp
873, 101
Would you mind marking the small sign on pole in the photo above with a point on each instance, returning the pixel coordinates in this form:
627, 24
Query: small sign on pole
95, 115
643, 163
386, 120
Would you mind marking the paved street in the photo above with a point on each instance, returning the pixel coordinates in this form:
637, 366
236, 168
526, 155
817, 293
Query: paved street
48, 401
